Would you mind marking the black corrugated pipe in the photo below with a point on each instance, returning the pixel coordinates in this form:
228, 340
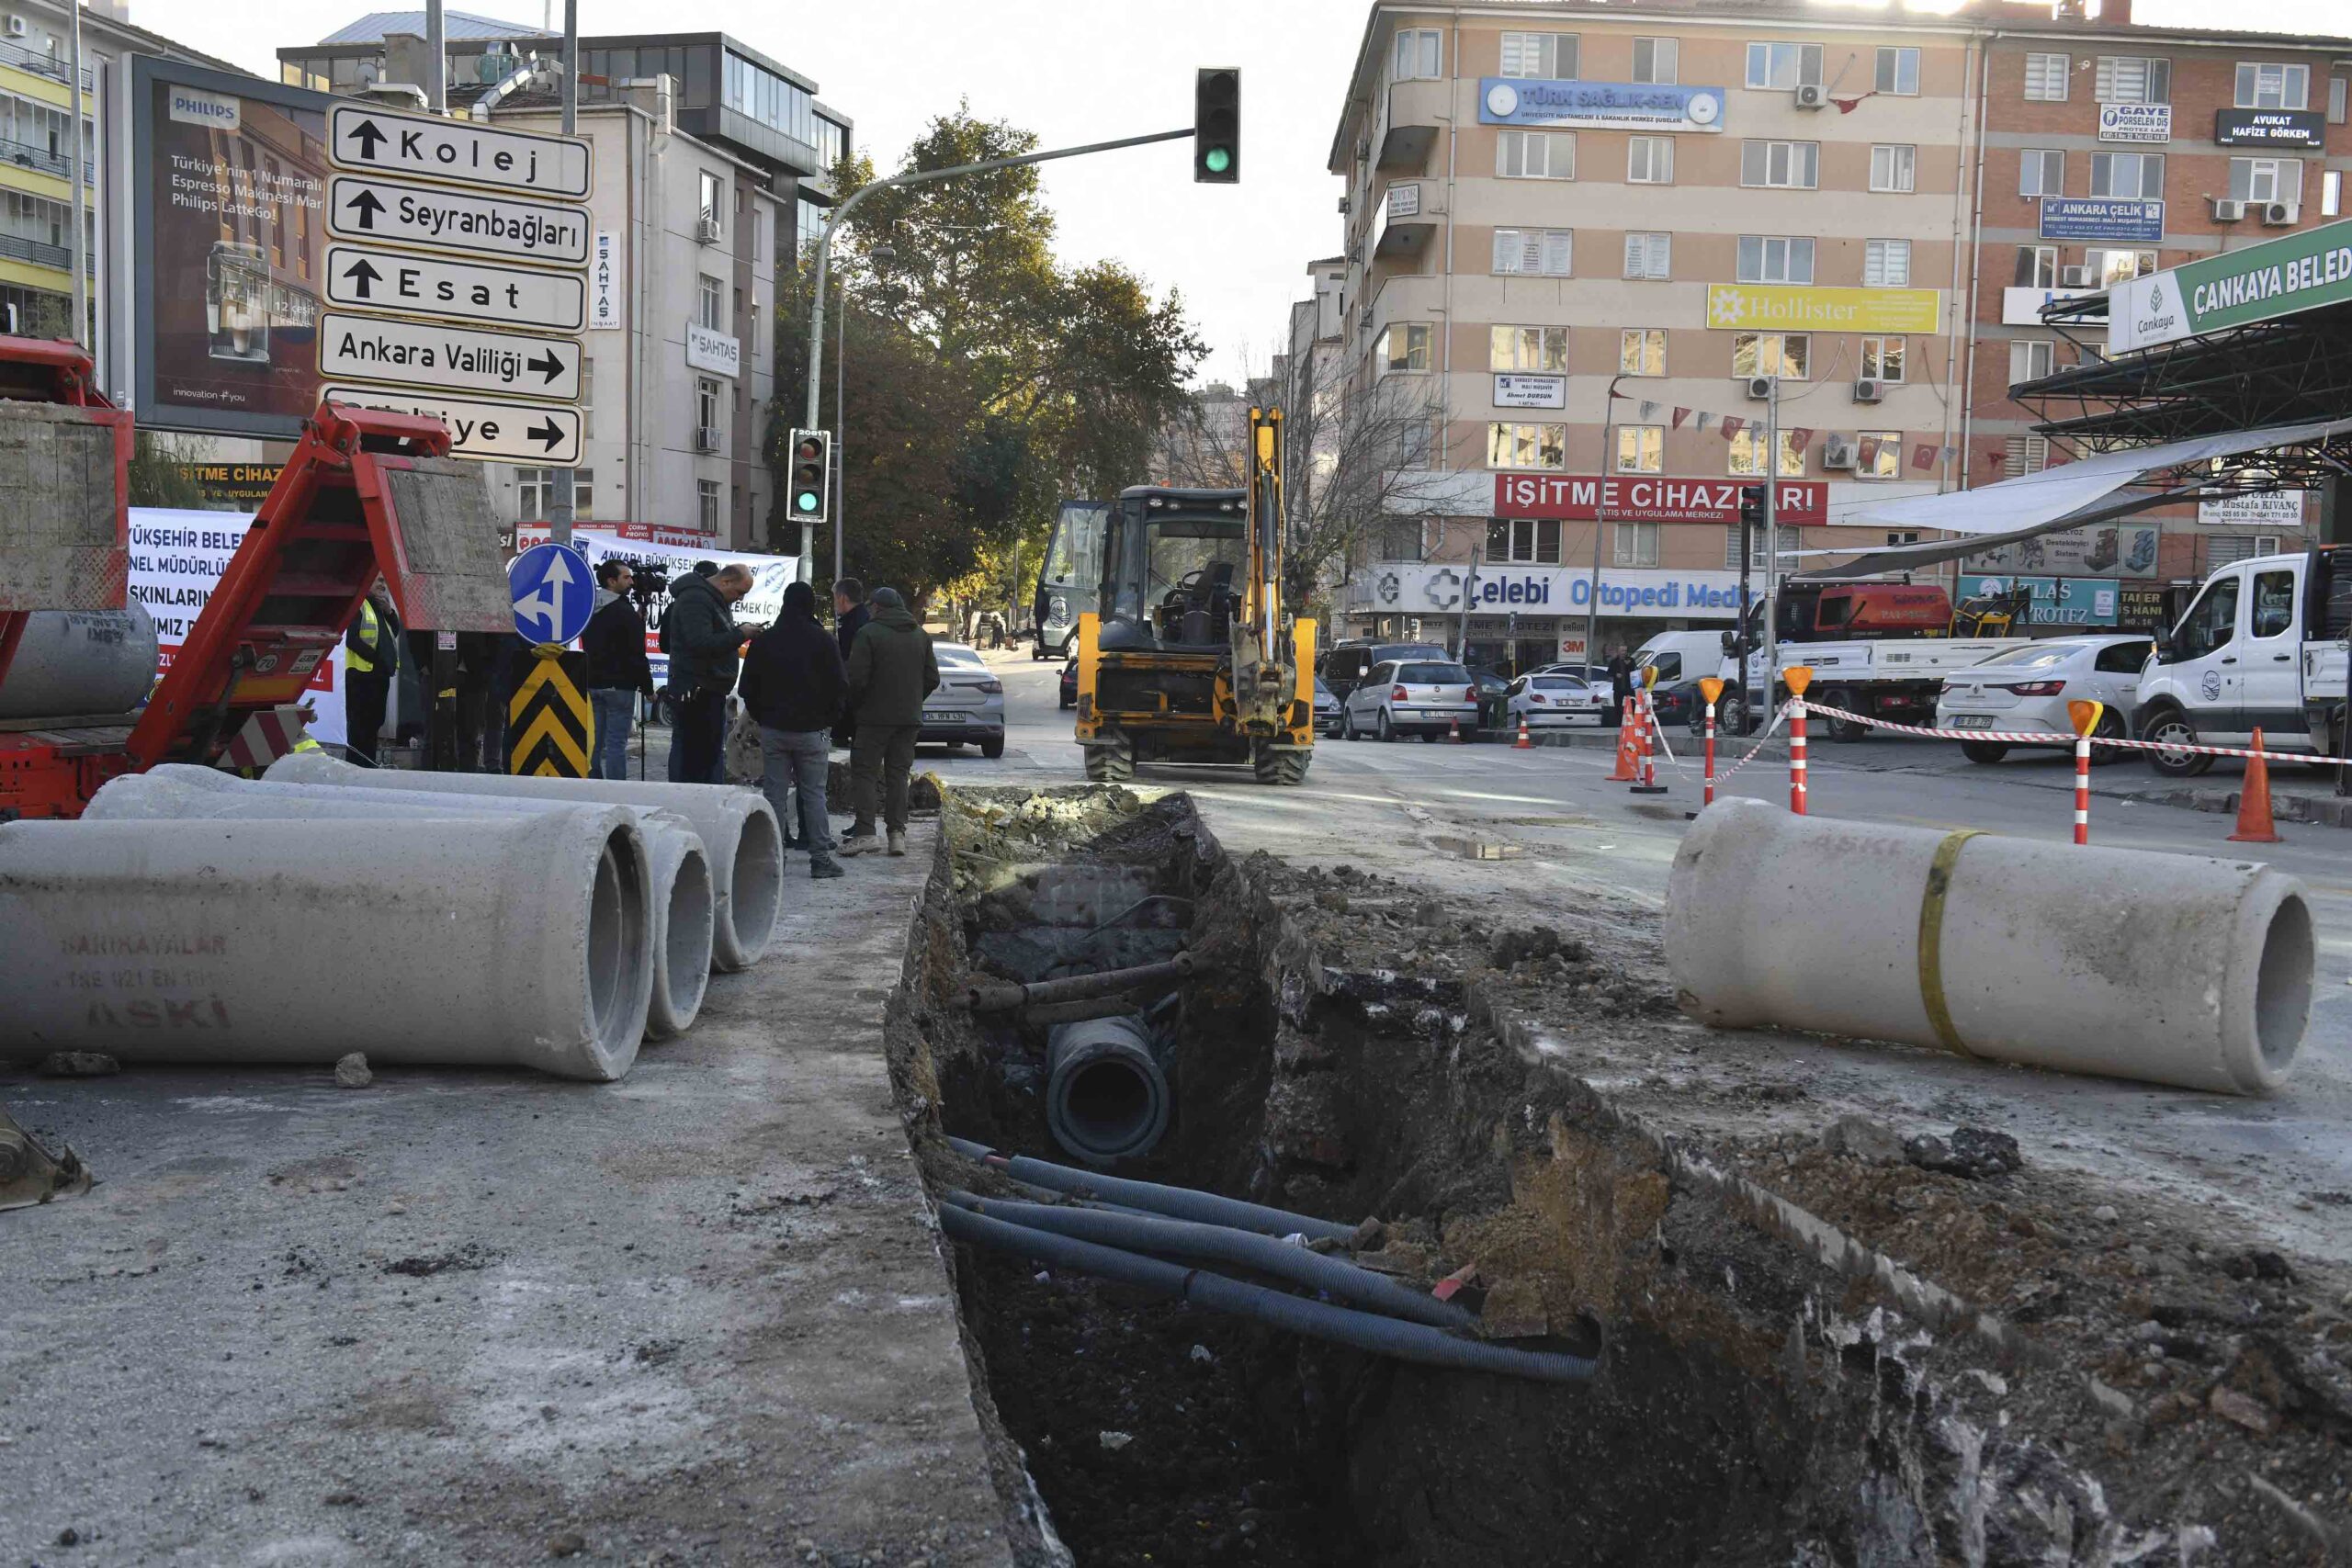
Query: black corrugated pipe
1364, 1331
1182, 1203
1222, 1243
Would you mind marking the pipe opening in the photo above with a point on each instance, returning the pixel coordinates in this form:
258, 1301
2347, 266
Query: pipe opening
620, 947
2282, 984
607, 954
1106, 1108
685, 947
757, 893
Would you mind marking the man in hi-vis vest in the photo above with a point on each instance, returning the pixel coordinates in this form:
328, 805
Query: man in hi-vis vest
371, 660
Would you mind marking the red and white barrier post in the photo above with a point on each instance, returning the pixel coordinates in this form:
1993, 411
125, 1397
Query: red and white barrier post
1710, 687
1649, 784
2084, 715
1798, 676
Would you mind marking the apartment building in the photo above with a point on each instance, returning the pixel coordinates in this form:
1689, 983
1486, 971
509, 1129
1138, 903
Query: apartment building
1600, 236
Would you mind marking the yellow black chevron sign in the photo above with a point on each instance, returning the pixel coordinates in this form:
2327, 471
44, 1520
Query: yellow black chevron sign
548, 728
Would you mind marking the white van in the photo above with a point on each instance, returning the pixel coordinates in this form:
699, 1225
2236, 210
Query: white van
2262, 645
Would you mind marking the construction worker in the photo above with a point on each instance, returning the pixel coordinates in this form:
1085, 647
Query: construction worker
371, 661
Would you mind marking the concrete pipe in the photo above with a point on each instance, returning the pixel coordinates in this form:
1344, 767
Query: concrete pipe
522, 941
1106, 1099
2171, 969
679, 872
81, 662
738, 828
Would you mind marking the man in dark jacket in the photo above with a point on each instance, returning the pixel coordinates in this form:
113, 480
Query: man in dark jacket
703, 665
618, 671
793, 687
849, 613
371, 661
891, 671
1621, 684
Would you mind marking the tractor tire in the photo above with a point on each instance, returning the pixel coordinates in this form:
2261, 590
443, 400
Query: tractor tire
1109, 764
1285, 769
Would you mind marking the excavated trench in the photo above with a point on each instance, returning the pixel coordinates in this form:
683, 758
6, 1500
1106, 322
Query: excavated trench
1751, 1404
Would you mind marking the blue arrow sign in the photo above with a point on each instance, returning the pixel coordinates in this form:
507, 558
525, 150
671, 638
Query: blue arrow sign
554, 594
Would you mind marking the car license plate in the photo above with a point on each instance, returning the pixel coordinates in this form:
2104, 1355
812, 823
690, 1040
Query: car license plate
1972, 721
942, 716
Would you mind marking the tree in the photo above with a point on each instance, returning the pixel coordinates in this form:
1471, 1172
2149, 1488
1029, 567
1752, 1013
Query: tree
1356, 461
159, 473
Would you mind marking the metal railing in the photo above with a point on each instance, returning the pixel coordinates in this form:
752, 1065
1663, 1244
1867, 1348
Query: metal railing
32, 155
16, 247
41, 64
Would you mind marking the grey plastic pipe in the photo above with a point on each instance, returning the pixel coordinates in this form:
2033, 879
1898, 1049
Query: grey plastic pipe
1416, 1342
2172, 969
1106, 1099
1221, 1244
682, 903
81, 662
738, 828
522, 941
1180, 1203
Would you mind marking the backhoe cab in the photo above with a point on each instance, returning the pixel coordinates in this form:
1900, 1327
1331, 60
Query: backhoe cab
1191, 658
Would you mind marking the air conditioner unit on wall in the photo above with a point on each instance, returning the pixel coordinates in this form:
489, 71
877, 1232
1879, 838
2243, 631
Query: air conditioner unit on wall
2227, 211
17, 27
1837, 451
705, 439
2280, 214
1759, 389
1813, 95
707, 229
1869, 391
2074, 277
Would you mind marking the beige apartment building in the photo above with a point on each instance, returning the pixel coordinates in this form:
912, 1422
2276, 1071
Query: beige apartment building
1587, 241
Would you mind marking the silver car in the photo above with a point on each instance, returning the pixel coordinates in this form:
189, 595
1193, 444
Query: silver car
968, 707
1414, 697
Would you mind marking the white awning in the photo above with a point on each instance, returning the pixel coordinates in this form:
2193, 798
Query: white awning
2065, 496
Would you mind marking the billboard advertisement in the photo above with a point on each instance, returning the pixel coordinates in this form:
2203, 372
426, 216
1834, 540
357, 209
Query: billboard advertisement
229, 177
2113, 550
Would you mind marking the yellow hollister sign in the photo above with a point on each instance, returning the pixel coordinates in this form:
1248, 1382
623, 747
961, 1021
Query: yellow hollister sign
1748, 307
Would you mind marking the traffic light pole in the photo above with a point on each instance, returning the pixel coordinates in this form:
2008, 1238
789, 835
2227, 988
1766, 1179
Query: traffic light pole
921, 176
1772, 547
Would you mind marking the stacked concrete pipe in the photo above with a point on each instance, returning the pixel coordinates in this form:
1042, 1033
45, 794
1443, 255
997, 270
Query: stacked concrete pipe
680, 874
2172, 969
77, 663
738, 828
515, 941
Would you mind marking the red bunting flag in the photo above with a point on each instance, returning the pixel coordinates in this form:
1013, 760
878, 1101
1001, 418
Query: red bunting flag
1680, 415
1801, 437
1733, 425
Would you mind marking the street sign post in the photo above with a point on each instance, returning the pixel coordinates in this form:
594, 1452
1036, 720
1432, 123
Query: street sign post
436, 218
554, 594
489, 430
436, 356
366, 137
372, 278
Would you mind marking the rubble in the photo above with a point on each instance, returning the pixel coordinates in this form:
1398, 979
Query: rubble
351, 1072
78, 1064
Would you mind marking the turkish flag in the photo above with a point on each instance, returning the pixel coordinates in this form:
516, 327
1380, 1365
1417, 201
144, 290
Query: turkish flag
1680, 415
1923, 456
1733, 425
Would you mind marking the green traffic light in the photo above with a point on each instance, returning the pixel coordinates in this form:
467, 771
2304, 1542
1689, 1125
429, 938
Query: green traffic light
806, 501
1218, 160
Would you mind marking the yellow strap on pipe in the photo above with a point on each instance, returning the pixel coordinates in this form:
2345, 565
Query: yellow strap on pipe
1931, 934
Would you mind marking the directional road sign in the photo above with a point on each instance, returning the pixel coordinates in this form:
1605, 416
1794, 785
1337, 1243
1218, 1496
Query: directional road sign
554, 592
455, 358
504, 227
362, 136
491, 430
374, 278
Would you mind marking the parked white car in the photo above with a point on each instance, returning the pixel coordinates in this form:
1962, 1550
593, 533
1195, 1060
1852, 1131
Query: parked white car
2027, 689
968, 707
1413, 696
1555, 701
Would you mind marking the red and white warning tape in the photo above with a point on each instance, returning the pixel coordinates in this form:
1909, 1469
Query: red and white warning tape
1762, 740
2044, 738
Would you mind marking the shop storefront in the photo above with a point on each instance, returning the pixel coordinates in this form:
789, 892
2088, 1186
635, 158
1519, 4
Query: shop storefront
1522, 617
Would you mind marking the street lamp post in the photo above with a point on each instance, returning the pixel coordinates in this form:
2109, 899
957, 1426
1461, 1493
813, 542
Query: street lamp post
1601, 521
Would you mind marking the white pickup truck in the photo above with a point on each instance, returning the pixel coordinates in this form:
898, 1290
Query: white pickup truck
2263, 645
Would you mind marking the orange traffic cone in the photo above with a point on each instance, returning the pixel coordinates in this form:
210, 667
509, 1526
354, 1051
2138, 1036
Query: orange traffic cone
1523, 743
1454, 731
2254, 802
1629, 748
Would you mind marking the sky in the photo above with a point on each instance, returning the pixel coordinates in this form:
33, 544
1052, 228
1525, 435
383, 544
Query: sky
1074, 72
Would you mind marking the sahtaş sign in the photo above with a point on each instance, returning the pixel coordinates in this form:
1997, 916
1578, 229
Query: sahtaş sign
1631, 499
2296, 272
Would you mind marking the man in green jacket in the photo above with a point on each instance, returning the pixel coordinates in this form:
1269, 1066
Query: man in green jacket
891, 671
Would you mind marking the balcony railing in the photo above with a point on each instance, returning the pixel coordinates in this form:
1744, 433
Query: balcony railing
30, 156
41, 64
41, 252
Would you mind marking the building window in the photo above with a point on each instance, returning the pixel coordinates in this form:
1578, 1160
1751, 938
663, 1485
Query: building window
1894, 168
1400, 539
2026, 454
584, 495
1527, 348
1755, 545
1548, 56
1775, 258
2128, 174
2266, 179
708, 402
1785, 165
2030, 359
1641, 448
2041, 171
1895, 536
1649, 160
2110, 267
714, 195
1786, 355
710, 304
1886, 264
832, 144
1526, 446
1649, 255
1658, 60
1783, 67
1636, 543
2330, 192
1748, 454
1898, 71
1522, 539
2134, 79
2036, 267
1536, 155
1545, 253
2045, 78
1404, 345
1417, 443
533, 491
1878, 454
1641, 351
1419, 55
2274, 86
1882, 359
2337, 94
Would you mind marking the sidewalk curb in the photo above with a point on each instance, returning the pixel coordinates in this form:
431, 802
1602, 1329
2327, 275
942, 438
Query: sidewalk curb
2323, 811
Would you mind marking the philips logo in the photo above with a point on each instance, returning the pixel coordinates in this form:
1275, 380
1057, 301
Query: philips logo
214, 110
